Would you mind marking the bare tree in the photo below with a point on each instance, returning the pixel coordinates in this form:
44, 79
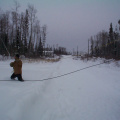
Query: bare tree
21, 32
32, 16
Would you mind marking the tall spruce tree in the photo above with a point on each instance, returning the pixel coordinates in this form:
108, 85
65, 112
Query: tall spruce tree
40, 48
111, 37
111, 33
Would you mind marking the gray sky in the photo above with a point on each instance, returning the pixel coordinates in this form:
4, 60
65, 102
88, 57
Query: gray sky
72, 22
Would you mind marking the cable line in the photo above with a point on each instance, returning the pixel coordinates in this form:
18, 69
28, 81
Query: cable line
67, 73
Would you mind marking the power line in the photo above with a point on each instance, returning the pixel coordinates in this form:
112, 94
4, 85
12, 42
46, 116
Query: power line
67, 73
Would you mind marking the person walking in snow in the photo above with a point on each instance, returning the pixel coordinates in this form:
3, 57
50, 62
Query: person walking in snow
17, 66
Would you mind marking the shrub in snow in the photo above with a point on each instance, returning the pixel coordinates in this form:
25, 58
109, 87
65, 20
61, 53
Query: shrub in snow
1, 57
22, 57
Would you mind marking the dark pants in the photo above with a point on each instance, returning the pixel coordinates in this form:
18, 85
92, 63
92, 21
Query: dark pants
16, 75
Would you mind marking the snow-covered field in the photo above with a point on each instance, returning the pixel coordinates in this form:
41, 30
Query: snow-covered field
91, 94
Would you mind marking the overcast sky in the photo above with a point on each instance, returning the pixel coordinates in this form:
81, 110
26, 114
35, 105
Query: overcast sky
72, 22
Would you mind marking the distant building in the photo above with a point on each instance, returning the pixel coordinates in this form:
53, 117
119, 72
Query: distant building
49, 53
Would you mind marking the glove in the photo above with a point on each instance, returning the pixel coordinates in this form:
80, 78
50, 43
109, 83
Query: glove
11, 64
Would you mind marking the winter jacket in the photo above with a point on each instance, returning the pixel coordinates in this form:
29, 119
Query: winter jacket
17, 66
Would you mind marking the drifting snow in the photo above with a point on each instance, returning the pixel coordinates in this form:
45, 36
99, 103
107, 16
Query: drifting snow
91, 94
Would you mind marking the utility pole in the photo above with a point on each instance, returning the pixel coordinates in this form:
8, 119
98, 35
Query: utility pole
73, 51
88, 50
88, 47
77, 51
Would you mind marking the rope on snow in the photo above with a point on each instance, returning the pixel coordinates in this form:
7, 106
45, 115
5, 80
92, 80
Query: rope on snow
67, 73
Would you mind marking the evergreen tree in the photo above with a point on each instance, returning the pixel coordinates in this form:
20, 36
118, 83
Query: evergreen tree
40, 48
111, 33
92, 46
119, 24
111, 37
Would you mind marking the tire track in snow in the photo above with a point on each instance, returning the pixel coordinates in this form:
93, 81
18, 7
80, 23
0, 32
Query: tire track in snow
37, 97
51, 103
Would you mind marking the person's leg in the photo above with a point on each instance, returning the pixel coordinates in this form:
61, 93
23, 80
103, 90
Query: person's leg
20, 77
13, 76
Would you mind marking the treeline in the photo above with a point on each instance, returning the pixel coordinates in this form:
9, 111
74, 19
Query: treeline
106, 44
22, 33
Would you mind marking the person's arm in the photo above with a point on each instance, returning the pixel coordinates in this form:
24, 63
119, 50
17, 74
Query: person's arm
11, 64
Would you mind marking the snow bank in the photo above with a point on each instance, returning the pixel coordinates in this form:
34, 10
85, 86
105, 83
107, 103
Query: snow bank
2, 57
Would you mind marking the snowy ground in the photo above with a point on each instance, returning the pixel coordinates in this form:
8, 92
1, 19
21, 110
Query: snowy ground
91, 94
